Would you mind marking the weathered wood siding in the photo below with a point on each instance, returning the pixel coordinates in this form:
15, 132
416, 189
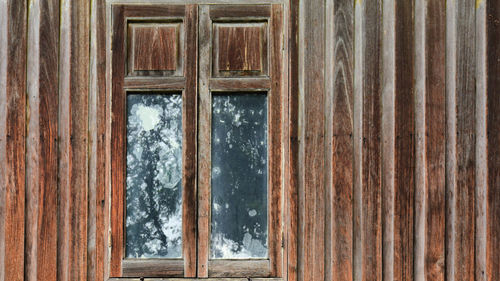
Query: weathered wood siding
394, 162
392, 149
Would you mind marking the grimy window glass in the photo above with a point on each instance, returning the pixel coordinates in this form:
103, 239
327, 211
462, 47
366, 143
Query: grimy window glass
154, 176
239, 176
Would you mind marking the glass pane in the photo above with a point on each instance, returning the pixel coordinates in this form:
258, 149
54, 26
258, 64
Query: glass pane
239, 176
154, 176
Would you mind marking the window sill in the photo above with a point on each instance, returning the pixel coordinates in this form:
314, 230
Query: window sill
195, 279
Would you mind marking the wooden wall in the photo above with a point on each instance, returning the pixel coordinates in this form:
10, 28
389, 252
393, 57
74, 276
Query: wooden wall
393, 167
395, 159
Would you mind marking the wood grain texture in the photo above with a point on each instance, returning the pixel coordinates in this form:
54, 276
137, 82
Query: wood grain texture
371, 191
292, 188
240, 48
404, 185
220, 12
239, 268
435, 141
98, 195
204, 155
152, 268
231, 84
73, 135
312, 142
155, 46
41, 142
275, 216
154, 83
189, 120
493, 140
462, 245
118, 133
13, 29
339, 128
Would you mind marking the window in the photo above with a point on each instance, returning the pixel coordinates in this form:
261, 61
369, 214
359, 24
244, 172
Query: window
197, 114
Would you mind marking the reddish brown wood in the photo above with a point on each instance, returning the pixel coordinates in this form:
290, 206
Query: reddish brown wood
339, 223
12, 138
97, 231
240, 47
187, 83
435, 141
220, 12
153, 268
404, 185
292, 193
73, 132
41, 142
493, 140
231, 84
152, 83
189, 120
312, 143
371, 225
155, 46
118, 142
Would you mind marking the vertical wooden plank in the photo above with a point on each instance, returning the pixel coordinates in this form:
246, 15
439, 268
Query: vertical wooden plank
189, 149
430, 140
107, 146
41, 142
420, 144
371, 192
118, 142
275, 129
388, 137
404, 142
493, 140
451, 69
97, 157
13, 29
481, 170
359, 72
73, 134
312, 141
461, 138
339, 130
435, 128
204, 177
292, 212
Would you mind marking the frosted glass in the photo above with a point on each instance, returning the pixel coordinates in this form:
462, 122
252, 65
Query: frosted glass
154, 176
239, 176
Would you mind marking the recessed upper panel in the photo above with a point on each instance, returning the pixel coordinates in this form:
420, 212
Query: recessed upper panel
155, 49
240, 49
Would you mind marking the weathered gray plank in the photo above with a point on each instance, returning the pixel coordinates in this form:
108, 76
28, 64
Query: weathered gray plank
460, 174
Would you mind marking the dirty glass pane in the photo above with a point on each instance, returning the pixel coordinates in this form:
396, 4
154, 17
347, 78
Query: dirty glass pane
239, 176
154, 176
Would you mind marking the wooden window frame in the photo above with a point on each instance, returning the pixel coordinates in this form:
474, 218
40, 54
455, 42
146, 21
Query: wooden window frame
122, 83
273, 85
196, 221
